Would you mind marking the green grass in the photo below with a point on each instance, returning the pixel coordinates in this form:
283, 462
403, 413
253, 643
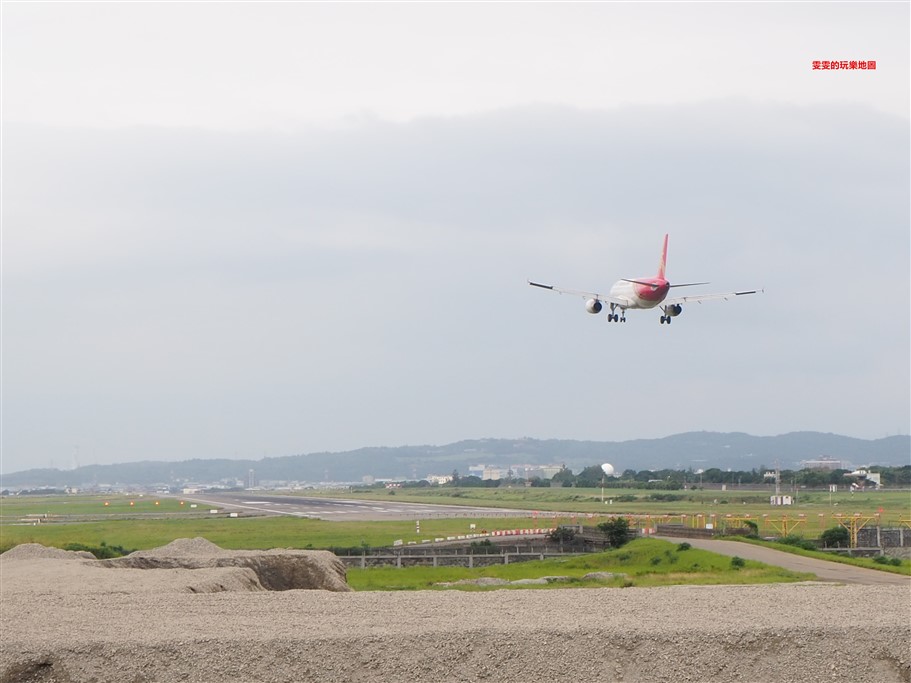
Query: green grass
895, 505
14, 508
248, 532
818, 513
181, 521
645, 562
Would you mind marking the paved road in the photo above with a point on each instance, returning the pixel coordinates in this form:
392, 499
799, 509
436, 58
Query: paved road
824, 570
338, 509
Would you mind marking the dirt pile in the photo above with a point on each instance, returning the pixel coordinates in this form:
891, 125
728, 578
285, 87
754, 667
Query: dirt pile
185, 565
66, 621
36, 551
275, 570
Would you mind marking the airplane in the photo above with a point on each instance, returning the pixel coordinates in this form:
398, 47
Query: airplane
642, 293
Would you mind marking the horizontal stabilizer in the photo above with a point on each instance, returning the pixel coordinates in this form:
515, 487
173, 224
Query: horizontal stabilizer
641, 282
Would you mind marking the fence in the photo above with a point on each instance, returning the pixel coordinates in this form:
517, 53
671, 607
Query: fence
448, 558
681, 531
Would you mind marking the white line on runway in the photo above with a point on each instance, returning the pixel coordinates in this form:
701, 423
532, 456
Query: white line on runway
248, 507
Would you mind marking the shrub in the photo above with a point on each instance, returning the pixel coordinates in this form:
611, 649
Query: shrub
562, 534
836, 537
797, 542
683, 546
665, 497
737, 562
103, 551
616, 530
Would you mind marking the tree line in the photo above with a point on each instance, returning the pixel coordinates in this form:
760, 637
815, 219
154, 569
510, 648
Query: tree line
668, 479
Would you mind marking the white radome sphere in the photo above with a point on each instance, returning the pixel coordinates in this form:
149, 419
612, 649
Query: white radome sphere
608, 469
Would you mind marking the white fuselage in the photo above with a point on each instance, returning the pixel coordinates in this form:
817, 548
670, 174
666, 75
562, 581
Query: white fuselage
640, 295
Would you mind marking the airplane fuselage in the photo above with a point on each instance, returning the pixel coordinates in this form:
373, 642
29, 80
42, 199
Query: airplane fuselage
645, 292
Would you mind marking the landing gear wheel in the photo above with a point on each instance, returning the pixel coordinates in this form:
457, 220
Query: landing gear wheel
663, 319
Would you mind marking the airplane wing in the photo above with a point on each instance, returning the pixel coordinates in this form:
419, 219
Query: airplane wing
585, 295
699, 298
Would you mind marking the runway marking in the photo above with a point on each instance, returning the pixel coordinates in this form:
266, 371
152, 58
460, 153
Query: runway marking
248, 506
367, 509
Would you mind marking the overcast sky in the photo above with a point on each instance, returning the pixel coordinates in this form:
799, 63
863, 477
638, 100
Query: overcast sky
261, 229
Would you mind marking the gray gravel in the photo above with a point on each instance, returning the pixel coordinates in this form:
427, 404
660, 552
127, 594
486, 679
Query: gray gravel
66, 620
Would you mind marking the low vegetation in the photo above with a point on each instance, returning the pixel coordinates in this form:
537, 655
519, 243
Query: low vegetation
642, 562
251, 532
818, 507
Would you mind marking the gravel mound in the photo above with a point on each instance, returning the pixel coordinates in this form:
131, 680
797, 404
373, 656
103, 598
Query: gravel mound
275, 570
36, 551
183, 547
801, 633
68, 621
187, 565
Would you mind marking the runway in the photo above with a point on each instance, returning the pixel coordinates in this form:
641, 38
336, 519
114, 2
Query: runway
338, 509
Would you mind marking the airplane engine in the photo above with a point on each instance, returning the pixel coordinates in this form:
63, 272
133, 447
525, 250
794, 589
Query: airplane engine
674, 310
593, 306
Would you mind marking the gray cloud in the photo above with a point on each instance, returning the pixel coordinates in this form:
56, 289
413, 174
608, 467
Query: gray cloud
187, 293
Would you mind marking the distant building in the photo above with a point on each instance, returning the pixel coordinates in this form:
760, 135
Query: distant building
251, 479
477, 471
539, 471
824, 463
548, 471
439, 479
496, 472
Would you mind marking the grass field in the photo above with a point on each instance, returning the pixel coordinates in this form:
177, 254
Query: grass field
154, 521
812, 512
235, 533
643, 562
14, 508
143, 522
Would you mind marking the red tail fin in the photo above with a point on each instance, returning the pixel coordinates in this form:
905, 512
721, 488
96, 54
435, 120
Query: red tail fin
663, 262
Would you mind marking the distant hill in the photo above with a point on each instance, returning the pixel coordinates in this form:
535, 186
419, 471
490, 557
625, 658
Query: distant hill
696, 450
